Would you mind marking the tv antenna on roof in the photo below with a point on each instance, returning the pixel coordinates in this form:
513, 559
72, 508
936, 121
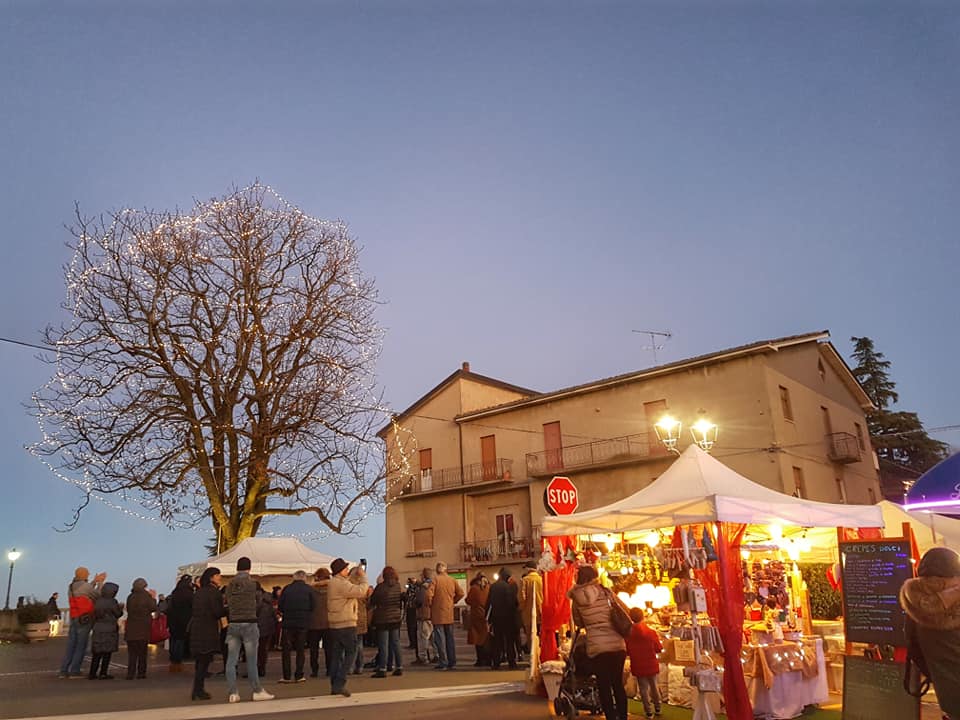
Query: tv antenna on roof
654, 343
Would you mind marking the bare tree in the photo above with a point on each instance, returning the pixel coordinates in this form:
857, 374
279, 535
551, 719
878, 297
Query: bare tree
218, 364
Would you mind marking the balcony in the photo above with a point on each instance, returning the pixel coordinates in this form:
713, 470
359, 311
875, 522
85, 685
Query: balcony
599, 453
499, 550
843, 447
456, 477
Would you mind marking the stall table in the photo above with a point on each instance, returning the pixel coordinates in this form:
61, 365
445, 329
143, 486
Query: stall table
784, 678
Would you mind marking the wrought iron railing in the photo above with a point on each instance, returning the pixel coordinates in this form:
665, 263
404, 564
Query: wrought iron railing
599, 452
446, 478
497, 550
843, 447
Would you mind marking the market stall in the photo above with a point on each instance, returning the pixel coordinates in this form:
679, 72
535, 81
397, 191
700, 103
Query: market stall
695, 521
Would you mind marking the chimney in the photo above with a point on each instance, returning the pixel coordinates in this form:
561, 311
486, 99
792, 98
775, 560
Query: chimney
465, 367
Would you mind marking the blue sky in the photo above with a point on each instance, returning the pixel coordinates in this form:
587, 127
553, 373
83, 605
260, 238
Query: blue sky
530, 181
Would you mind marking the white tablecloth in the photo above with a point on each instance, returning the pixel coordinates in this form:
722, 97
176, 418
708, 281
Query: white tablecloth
791, 692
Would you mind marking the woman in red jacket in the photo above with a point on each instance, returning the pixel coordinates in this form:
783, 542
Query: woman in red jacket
643, 646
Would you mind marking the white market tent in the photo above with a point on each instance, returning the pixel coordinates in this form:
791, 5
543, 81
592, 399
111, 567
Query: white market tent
929, 530
698, 488
269, 556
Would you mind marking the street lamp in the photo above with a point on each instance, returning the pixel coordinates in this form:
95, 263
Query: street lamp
668, 431
12, 556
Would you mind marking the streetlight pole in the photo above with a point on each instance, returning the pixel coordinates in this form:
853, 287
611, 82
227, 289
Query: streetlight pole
12, 557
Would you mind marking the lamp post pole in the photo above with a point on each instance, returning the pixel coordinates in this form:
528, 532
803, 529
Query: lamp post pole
12, 556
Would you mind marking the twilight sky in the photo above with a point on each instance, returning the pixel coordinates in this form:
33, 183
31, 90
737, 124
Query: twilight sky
530, 181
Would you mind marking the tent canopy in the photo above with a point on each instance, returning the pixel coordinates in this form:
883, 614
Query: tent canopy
938, 487
268, 556
698, 488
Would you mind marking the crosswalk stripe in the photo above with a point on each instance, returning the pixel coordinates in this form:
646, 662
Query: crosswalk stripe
273, 707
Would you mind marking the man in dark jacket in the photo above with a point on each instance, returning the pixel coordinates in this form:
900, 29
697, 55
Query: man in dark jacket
502, 612
179, 610
296, 611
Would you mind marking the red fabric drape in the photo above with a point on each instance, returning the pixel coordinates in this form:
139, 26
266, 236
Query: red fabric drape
730, 619
556, 605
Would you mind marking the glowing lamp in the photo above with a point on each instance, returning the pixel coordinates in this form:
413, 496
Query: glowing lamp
668, 432
704, 433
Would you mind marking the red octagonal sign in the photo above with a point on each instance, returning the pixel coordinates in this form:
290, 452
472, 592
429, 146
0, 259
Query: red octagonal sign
562, 496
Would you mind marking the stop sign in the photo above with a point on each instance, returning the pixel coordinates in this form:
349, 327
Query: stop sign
562, 496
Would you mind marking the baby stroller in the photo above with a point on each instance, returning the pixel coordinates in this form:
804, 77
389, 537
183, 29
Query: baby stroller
578, 686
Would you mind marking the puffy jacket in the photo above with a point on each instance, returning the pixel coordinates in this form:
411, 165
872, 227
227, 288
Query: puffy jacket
387, 604
422, 600
363, 619
140, 609
296, 605
106, 633
443, 594
591, 610
82, 594
266, 617
242, 598
342, 597
643, 646
179, 610
932, 605
318, 619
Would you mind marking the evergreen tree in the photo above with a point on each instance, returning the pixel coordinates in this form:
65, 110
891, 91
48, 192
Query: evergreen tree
903, 447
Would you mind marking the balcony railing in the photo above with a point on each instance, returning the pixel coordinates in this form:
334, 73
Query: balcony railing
843, 447
498, 550
447, 478
610, 451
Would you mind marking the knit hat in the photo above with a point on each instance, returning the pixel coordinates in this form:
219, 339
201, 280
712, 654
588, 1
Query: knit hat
337, 566
81, 573
531, 564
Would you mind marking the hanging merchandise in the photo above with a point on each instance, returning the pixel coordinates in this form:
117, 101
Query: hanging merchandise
547, 561
708, 545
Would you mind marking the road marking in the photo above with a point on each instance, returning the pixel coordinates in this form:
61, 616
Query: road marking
273, 707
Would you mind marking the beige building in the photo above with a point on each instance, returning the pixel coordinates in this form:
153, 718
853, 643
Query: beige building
471, 459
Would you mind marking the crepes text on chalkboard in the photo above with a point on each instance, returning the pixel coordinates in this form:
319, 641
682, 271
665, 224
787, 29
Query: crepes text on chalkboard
872, 572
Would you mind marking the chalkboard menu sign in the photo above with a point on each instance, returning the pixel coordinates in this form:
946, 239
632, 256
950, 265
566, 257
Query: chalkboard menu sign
872, 572
873, 689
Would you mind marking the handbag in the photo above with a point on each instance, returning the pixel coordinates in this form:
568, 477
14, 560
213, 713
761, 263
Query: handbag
619, 617
158, 630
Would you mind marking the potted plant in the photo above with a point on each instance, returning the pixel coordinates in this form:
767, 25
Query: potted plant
34, 619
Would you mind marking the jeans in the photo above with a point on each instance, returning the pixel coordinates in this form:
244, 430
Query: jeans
77, 639
358, 655
248, 635
608, 667
649, 693
343, 650
425, 639
316, 638
446, 645
293, 639
177, 646
388, 645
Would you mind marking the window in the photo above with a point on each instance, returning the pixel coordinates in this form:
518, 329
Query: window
827, 425
488, 457
426, 470
505, 536
800, 487
423, 540
785, 404
859, 430
553, 445
821, 370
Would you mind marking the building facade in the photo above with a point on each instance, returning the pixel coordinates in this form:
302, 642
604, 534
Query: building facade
471, 459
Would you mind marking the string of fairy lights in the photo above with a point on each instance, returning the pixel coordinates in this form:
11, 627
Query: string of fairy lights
129, 243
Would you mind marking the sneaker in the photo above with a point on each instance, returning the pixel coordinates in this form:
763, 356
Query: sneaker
262, 695
341, 691
300, 679
201, 696
379, 674
284, 681
233, 698
398, 672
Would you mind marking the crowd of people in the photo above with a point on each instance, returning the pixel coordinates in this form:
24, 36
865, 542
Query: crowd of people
325, 620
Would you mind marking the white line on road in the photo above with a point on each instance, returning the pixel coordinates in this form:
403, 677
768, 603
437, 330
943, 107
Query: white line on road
221, 710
